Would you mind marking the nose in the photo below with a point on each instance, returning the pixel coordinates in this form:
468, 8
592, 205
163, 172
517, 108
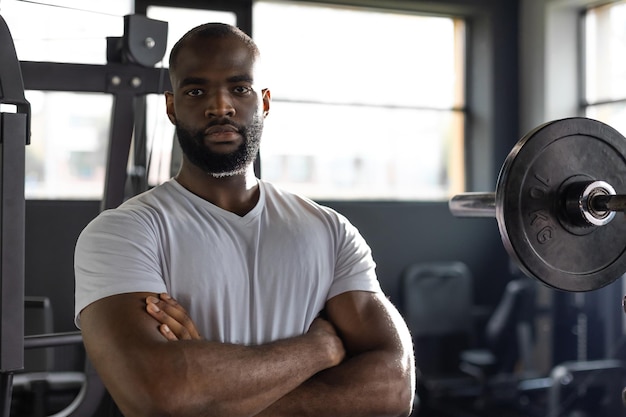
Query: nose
219, 104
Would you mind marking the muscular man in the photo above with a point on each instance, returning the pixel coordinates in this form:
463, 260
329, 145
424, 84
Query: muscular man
283, 314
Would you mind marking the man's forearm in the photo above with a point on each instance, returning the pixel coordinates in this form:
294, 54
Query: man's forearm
376, 383
237, 380
147, 375
377, 380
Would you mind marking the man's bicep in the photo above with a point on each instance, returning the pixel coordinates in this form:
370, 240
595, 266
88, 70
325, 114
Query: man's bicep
117, 333
367, 321
117, 323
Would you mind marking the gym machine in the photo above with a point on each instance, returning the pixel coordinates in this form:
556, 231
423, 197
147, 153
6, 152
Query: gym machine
128, 76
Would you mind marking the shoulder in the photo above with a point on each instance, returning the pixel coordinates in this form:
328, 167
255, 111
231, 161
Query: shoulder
160, 197
294, 207
153, 202
280, 197
137, 215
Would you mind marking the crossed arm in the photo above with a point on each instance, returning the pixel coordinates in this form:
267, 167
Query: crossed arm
358, 362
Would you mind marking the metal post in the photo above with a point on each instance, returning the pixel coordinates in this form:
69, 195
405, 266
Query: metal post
14, 135
6, 390
119, 148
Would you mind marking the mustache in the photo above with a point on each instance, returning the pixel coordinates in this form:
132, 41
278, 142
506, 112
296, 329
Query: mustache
224, 122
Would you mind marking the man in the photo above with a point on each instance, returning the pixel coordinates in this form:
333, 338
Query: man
280, 310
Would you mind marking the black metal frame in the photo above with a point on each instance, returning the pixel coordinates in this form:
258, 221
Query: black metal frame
14, 135
126, 82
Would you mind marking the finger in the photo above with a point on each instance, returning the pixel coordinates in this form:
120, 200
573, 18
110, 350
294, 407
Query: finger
156, 313
167, 332
167, 299
169, 304
153, 307
167, 311
178, 312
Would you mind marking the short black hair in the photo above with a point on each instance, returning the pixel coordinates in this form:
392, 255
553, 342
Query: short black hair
212, 30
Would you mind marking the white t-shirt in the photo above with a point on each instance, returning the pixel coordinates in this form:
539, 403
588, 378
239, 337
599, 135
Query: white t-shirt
245, 280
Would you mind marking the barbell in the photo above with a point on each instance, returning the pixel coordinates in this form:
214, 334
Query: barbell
556, 203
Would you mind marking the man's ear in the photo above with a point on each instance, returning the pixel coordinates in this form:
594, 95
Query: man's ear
169, 106
267, 98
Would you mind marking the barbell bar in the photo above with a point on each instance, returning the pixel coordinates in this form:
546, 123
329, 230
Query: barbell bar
586, 202
556, 203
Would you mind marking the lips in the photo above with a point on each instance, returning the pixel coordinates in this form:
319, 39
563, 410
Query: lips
222, 133
221, 129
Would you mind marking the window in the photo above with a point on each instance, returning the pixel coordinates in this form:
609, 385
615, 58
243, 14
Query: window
69, 137
605, 64
365, 104
55, 30
69, 131
368, 104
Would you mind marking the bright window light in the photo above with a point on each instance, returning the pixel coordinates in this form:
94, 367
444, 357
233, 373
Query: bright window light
64, 31
69, 131
605, 64
66, 157
365, 104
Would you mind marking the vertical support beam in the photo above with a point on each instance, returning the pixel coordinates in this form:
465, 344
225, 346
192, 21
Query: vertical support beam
6, 390
14, 136
120, 138
13, 128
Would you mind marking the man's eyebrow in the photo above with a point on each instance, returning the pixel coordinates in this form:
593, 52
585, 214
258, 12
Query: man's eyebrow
191, 80
202, 81
240, 78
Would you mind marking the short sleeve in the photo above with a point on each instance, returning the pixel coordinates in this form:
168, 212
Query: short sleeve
116, 253
355, 269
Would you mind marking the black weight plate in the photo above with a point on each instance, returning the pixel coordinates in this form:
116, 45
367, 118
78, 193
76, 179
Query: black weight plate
529, 196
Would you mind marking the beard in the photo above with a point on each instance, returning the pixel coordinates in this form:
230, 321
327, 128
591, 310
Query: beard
220, 164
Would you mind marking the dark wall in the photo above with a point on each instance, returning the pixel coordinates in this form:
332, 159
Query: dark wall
52, 228
401, 234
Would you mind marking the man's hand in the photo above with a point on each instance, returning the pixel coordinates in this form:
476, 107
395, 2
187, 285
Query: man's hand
175, 321
177, 325
325, 328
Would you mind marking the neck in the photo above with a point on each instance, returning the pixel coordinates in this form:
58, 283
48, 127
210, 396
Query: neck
236, 193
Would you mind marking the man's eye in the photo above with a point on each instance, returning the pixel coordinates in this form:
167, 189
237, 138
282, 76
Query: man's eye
242, 89
195, 92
